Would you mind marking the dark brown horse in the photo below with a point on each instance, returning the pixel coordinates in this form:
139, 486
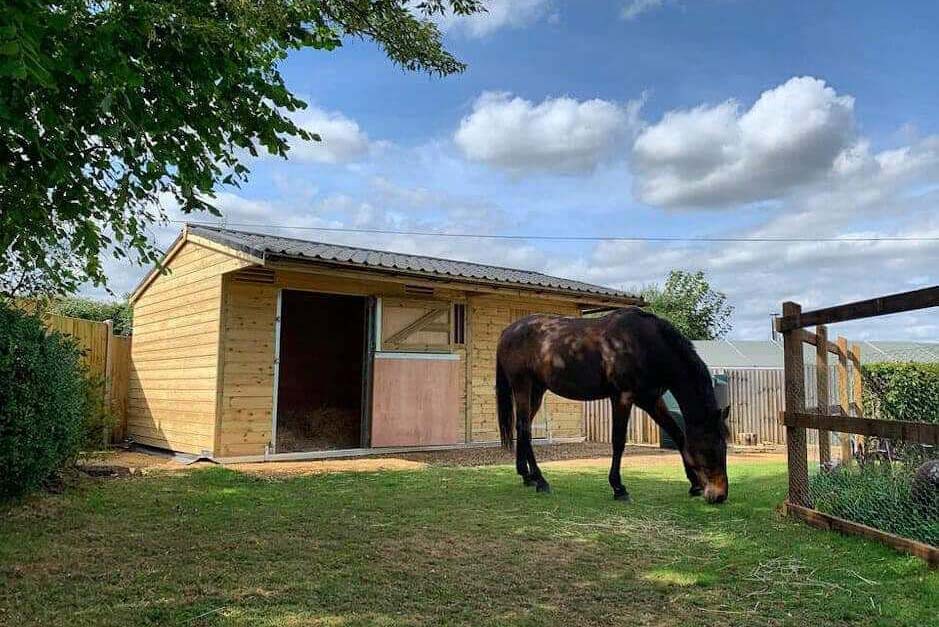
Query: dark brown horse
630, 357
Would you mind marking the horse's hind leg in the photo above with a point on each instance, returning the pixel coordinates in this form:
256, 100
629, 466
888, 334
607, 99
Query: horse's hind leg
527, 402
520, 390
661, 415
622, 405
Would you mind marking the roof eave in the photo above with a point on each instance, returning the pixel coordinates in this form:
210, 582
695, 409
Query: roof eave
228, 247
155, 271
588, 298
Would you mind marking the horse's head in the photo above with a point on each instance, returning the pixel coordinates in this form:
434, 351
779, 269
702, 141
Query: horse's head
706, 453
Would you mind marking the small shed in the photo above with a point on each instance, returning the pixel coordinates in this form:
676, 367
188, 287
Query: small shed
254, 346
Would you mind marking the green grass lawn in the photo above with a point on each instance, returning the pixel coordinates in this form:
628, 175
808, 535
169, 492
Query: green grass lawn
441, 546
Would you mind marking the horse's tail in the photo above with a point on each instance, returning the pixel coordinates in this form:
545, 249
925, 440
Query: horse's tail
504, 406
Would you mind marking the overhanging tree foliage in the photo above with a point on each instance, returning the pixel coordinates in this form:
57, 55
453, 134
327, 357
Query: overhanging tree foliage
688, 301
108, 105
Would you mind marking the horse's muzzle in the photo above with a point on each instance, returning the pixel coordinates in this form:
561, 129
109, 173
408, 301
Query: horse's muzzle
716, 491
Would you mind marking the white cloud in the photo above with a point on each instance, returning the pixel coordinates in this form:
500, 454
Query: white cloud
342, 138
500, 14
560, 135
716, 156
758, 277
860, 190
634, 8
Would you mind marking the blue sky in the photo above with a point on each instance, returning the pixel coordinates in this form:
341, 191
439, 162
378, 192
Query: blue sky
636, 117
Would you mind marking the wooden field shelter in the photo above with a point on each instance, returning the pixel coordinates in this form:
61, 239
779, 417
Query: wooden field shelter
252, 346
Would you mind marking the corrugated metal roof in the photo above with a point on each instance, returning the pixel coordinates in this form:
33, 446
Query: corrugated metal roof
769, 354
262, 245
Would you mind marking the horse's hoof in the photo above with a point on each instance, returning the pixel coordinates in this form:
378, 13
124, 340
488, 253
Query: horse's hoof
621, 496
528, 481
695, 491
544, 488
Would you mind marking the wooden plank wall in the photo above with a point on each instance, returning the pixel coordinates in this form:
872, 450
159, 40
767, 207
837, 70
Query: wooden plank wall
118, 381
247, 371
171, 400
107, 357
756, 398
597, 425
247, 368
487, 317
91, 336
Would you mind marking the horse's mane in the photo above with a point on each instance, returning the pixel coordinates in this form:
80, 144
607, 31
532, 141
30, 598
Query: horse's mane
698, 374
684, 348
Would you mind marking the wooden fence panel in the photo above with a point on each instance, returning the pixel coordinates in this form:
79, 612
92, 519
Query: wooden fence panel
91, 336
118, 380
107, 357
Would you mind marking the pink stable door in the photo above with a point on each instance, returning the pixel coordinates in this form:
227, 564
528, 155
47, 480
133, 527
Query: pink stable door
416, 399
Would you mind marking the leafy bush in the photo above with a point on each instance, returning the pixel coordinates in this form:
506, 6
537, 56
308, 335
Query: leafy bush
688, 301
902, 391
97, 422
44, 398
877, 495
99, 310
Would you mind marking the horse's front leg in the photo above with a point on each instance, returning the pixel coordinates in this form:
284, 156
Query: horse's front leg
662, 417
622, 406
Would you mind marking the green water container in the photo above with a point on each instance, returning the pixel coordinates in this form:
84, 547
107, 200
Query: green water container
720, 391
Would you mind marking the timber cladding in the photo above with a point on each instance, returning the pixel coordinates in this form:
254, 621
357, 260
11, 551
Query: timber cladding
246, 395
171, 398
487, 316
203, 367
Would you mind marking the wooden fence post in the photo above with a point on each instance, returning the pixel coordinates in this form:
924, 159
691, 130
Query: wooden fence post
108, 371
796, 449
856, 389
857, 383
843, 397
821, 376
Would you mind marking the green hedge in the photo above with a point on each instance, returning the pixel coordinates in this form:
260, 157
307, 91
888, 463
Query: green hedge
44, 400
902, 391
99, 310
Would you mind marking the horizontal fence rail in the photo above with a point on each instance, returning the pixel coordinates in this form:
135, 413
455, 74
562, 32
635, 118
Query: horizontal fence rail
894, 303
919, 432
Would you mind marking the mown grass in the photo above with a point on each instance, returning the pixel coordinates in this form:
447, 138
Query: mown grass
441, 546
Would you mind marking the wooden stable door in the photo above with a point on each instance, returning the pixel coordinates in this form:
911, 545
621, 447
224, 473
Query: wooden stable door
416, 400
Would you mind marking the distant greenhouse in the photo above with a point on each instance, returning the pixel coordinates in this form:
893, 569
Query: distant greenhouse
769, 354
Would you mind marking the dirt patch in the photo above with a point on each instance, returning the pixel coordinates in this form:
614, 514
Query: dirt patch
320, 466
493, 455
123, 462
575, 454
579, 455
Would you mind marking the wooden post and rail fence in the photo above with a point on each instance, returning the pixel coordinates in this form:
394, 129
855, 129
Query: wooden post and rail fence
797, 417
107, 357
